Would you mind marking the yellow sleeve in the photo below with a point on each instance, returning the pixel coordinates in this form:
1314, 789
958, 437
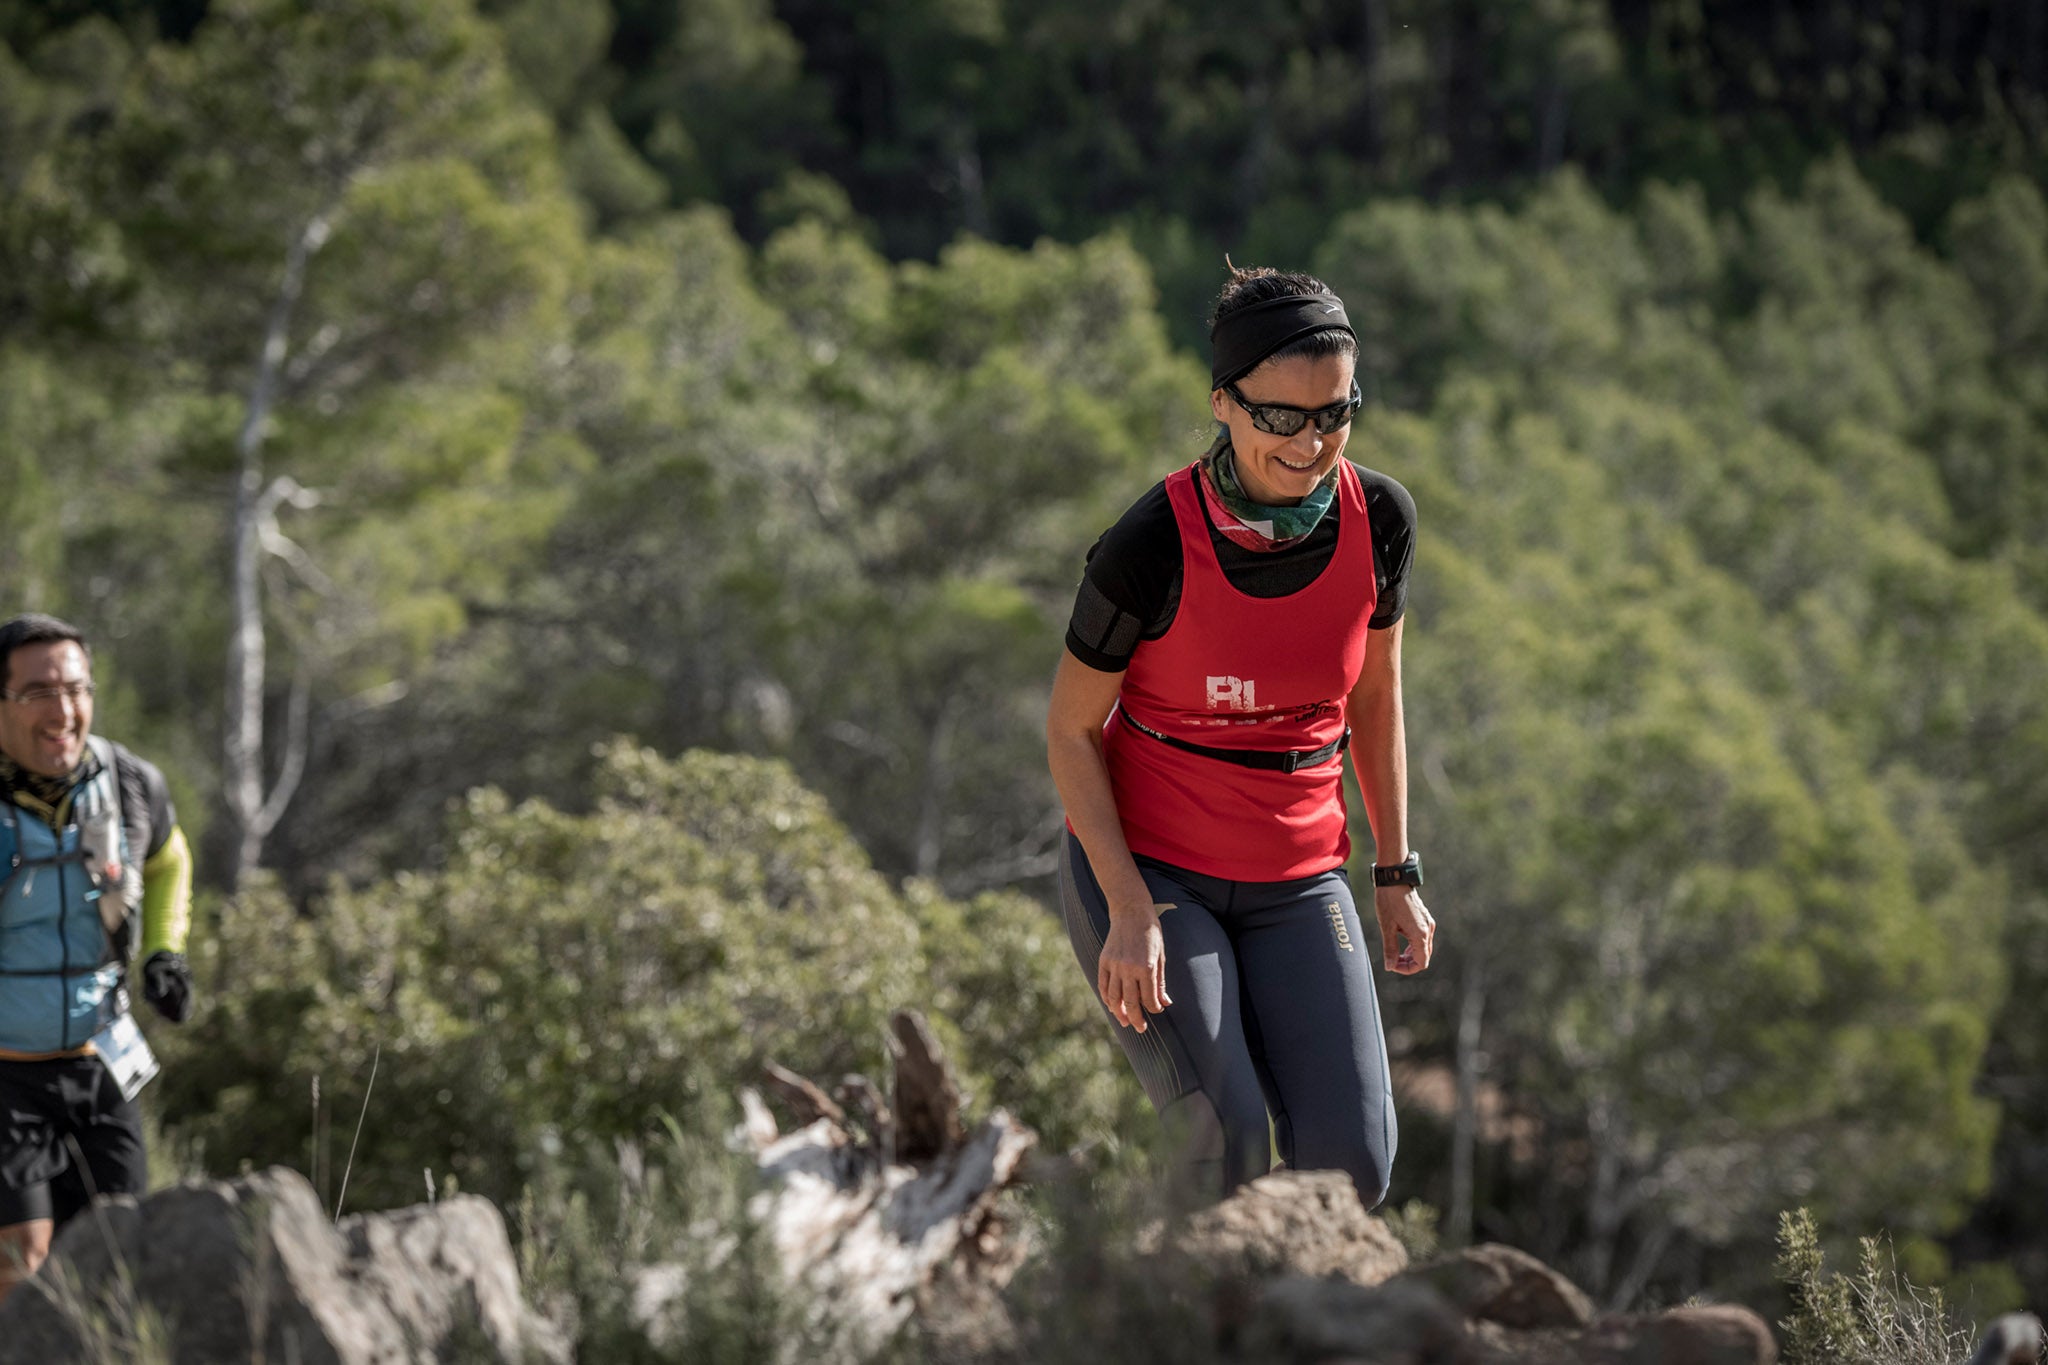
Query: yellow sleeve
167, 896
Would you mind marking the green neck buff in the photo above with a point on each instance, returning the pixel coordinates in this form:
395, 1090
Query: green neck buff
47, 791
1254, 525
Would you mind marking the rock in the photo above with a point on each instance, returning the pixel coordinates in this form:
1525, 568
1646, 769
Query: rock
2014, 1339
887, 1214
1522, 1312
1501, 1284
253, 1269
1716, 1334
1603, 1344
1301, 1320
1293, 1222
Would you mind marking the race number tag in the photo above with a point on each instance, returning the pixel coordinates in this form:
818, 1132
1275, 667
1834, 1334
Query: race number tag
126, 1052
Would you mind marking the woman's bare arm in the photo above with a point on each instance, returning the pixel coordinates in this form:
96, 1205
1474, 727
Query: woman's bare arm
1379, 755
1131, 974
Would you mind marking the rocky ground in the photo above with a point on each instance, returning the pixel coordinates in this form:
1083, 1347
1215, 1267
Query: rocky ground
891, 1220
255, 1270
895, 1218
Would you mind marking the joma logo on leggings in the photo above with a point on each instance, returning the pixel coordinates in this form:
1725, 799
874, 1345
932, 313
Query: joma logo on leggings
1336, 913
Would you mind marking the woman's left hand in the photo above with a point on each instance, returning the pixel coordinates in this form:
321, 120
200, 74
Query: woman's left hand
1402, 915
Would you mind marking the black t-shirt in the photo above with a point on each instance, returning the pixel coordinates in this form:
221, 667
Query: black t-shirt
1131, 589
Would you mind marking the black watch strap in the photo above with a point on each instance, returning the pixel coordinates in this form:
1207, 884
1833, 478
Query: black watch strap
1408, 872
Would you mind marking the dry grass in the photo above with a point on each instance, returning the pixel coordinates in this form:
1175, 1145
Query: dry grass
1875, 1317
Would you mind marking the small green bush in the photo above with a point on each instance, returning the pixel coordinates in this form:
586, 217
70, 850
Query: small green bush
595, 1217
1876, 1317
1095, 1291
563, 979
1418, 1227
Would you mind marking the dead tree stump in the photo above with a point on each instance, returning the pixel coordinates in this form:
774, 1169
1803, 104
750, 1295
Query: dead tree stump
873, 1207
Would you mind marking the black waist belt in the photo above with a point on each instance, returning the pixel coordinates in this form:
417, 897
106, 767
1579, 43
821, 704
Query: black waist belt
1250, 758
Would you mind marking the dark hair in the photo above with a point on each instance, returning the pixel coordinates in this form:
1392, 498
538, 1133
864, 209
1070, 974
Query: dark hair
34, 628
1257, 284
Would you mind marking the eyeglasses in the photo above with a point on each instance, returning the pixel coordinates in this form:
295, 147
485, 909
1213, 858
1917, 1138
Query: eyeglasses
1277, 419
75, 693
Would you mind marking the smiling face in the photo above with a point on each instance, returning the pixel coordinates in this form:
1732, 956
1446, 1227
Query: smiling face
1279, 471
47, 737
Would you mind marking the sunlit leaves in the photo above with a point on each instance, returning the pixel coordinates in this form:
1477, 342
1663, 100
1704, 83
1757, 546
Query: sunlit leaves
579, 976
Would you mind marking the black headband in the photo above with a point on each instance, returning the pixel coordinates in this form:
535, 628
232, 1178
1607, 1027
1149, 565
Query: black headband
1241, 339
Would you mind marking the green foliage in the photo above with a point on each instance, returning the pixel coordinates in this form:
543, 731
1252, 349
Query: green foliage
555, 46
1225, 128
596, 1217
107, 1325
563, 979
1876, 1317
1416, 1226
1672, 698
1099, 1288
1724, 644
823, 506
389, 141
1823, 1305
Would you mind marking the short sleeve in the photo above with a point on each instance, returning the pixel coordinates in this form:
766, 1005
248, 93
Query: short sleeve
1392, 513
1131, 585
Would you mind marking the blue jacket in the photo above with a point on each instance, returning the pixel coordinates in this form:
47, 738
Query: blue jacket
66, 911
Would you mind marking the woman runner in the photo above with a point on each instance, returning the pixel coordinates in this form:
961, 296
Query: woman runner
1236, 631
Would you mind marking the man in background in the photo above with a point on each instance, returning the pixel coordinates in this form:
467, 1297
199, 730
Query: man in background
97, 876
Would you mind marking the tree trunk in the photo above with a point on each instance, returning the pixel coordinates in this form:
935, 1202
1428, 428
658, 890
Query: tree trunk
1259, 145
967, 174
938, 786
1441, 135
1551, 130
1603, 1200
1912, 63
876, 1215
1946, 36
2021, 59
1372, 46
1642, 1268
255, 501
1465, 1125
1474, 149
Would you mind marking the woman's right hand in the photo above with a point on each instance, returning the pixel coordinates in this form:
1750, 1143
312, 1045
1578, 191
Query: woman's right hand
1131, 973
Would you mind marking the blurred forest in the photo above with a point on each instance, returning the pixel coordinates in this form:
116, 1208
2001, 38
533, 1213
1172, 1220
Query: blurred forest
426, 405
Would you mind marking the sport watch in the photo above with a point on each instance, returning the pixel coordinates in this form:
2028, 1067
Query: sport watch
1407, 872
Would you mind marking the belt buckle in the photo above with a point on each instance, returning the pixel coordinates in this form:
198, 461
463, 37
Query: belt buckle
1291, 760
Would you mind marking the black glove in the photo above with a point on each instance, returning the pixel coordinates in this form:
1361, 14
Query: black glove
167, 985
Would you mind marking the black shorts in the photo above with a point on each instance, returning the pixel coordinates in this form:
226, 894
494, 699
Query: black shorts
50, 1114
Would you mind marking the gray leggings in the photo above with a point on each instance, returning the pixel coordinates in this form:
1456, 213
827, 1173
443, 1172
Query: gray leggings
1273, 1013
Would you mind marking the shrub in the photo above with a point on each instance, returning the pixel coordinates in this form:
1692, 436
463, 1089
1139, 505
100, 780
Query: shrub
1876, 1317
564, 979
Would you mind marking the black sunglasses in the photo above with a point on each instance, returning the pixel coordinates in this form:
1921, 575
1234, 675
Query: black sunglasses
1277, 419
